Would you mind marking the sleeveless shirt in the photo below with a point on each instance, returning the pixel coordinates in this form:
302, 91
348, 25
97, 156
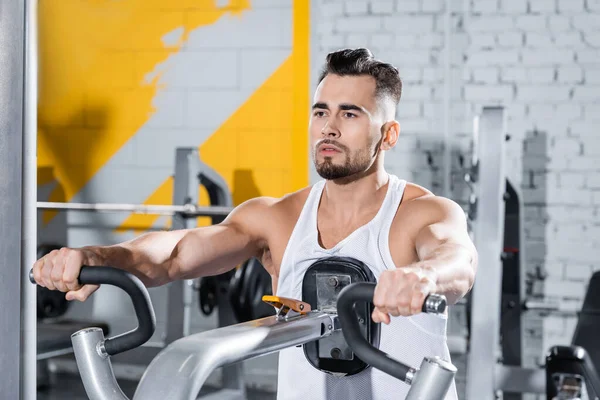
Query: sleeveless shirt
407, 339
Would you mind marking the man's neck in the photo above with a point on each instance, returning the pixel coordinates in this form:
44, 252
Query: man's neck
349, 199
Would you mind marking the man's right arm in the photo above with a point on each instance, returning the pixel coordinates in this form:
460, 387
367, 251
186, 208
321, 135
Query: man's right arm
161, 257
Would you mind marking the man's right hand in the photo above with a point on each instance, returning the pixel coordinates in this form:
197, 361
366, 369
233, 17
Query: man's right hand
59, 270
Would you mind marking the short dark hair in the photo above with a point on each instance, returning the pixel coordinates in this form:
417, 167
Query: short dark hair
355, 62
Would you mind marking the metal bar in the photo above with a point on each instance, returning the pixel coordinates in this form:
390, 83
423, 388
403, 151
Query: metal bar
95, 369
189, 210
12, 45
533, 305
185, 191
29, 214
545, 307
55, 353
489, 234
511, 379
181, 369
190, 172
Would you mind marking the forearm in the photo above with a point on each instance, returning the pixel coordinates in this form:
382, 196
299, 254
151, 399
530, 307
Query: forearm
148, 256
454, 268
158, 258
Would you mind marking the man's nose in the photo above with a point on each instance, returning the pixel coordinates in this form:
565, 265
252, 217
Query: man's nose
330, 129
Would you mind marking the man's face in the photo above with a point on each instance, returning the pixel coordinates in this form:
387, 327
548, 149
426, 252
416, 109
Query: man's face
345, 126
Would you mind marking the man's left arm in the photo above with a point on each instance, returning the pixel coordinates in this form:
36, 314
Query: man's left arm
445, 249
447, 261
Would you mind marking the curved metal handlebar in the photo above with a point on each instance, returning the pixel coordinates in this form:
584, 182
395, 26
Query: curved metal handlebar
363, 291
139, 297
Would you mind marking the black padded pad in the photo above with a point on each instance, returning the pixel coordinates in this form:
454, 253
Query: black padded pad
583, 356
316, 351
571, 360
56, 335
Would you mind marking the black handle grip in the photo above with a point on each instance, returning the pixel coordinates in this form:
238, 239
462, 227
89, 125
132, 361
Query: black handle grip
363, 291
139, 297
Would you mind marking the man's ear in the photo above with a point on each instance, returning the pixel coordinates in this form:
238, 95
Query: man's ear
390, 132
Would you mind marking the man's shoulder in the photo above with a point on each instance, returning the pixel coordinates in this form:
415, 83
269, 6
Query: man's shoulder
412, 191
422, 203
266, 205
266, 217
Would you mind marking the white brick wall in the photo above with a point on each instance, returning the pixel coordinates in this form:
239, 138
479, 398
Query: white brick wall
382, 6
408, 6
485, 6
513, 6
571, 6
540, 59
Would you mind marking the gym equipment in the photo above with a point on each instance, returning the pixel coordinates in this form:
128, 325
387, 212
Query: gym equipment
118, 344
323, 282
495, 354
190, 172
571, 369
494, 357
180, 369
430, 382
246, 287
207, 294
231, 344
53, 332
189, 210
18, 191
489, 188
50, 303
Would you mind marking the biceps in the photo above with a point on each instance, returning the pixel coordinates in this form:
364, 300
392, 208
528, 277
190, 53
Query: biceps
429, 239
432, 237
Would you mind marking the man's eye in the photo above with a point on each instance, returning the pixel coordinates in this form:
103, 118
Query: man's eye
319, 113
349, 115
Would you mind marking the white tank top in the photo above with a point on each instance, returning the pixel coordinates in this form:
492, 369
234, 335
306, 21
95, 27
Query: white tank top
407, 339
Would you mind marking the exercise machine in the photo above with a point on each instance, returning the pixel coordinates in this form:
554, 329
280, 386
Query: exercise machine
486, 214
431, 381
494, 357
190, 173
336, 332
494, 368
18, 127
54, 332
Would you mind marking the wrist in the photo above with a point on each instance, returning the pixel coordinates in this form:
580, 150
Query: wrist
425, 270
103, 256
92, 256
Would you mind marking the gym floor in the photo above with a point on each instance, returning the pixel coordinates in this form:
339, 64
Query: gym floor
70, 387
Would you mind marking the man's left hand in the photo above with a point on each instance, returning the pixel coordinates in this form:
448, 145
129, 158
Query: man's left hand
401, 292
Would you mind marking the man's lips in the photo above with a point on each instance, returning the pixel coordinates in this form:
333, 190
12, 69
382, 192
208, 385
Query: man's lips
329, 149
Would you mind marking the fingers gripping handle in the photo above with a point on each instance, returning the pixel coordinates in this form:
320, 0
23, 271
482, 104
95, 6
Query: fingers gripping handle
352, 333
139, 297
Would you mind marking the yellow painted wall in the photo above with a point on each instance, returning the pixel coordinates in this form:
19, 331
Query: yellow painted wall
94, 56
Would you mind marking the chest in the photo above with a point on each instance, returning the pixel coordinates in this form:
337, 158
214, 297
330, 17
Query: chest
400, 242
330, 232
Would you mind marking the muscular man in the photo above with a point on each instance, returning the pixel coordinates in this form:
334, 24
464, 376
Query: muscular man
414, 242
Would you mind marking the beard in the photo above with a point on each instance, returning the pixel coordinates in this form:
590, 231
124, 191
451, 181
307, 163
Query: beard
356, 164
